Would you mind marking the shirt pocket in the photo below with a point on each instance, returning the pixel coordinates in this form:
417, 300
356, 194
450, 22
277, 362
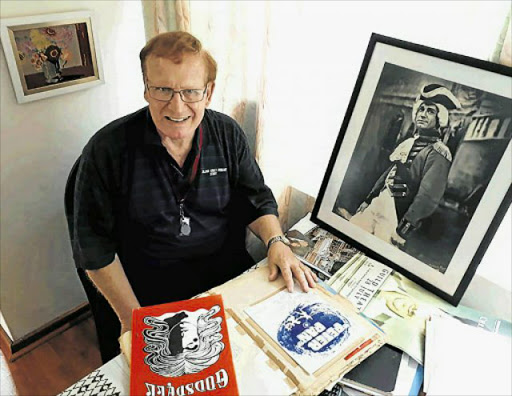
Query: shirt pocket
213, 191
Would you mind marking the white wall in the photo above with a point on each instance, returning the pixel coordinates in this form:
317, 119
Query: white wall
39, 142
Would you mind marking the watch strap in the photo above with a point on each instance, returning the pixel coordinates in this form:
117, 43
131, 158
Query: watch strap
277, 238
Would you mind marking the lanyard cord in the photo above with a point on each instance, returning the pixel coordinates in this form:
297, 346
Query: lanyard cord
184, 220
196, 160
193, 173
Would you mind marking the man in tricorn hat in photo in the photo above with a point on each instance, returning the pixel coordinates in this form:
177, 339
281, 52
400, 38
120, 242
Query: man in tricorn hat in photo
412, 187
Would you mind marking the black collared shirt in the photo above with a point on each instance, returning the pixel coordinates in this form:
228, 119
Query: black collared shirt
126, 189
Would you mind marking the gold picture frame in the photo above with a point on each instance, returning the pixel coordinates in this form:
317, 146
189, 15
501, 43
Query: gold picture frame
53, 54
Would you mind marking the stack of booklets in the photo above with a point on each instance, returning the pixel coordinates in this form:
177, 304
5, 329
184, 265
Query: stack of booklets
466, 360
249, 337
399, 306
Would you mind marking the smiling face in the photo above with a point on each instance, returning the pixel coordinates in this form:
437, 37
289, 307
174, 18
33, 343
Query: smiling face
426, 116
176, 119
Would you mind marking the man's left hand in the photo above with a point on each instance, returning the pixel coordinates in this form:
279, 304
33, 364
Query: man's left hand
281, 258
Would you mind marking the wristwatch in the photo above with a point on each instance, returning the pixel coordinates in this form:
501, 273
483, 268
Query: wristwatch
278, 238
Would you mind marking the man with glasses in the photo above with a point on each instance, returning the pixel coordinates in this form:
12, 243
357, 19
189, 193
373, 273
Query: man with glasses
163, 195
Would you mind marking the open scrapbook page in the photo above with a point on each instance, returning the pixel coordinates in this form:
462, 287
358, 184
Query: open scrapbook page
309, 328
313, 338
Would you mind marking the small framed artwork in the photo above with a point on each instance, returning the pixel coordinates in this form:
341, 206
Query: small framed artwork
420, 175
49, 55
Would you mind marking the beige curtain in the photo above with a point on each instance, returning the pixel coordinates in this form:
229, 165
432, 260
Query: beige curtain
236, 33
165, 15
182, 10
506, 50
157, 17
503, 51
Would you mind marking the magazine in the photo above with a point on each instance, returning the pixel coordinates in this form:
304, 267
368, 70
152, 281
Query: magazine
182, 348
319, 249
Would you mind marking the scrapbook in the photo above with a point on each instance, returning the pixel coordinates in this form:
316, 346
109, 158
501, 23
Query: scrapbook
312, 338
182, 348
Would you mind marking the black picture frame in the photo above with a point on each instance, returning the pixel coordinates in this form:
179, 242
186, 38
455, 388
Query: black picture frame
443, 250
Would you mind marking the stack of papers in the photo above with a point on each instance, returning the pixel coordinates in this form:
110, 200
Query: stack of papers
465, 360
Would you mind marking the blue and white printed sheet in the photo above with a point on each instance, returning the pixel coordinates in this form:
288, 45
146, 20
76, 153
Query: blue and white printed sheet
307, 326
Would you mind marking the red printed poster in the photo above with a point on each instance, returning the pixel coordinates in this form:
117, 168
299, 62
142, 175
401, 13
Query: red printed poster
182, 348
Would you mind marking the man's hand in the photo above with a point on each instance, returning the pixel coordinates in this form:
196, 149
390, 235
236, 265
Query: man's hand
362, 207
281, 258
125, 342
397, 240
112, 282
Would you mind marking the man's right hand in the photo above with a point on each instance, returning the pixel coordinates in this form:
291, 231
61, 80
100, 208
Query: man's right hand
112, 282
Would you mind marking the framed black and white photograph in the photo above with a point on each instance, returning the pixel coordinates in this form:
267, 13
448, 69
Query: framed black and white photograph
51, 54
420, 175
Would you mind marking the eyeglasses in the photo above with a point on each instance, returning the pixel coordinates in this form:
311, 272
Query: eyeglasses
165, 94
